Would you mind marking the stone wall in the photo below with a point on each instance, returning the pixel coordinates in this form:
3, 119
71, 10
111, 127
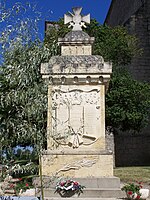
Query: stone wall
110, 146
132, 150
120, 11
129, 150
139, 24
109, 139
136, 18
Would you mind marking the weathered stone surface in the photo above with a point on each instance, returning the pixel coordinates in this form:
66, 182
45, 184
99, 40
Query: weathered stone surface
121, 11
1, 190
76, 20
79, 113
76, 64
78, 166
76, 110
76, 50
29, 192
128, 152
89, 182
75, 36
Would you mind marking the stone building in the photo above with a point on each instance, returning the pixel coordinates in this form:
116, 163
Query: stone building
135, 16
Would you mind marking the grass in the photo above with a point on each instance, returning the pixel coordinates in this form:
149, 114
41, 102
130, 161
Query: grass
133, 174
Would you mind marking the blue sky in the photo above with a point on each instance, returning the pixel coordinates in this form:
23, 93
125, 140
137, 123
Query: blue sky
52, 10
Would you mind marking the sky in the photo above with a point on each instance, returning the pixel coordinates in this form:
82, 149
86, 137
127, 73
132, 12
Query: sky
52, 10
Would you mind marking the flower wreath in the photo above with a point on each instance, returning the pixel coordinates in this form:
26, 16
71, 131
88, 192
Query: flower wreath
69, 188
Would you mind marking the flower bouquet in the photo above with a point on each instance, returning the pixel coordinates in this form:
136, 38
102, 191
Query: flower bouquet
132, 190
67, 188
21, 186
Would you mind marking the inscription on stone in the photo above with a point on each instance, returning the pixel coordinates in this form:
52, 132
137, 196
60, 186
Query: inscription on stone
76, 114
92, 116
76, 118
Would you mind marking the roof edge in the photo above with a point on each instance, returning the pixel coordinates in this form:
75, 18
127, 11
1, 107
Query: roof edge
109, 11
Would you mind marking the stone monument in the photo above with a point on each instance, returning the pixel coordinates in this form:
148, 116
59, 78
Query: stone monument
78, 82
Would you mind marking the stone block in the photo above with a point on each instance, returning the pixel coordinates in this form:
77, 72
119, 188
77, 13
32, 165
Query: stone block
77, 166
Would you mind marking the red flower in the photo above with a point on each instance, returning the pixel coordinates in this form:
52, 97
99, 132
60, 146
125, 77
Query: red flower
20, 179
141, 186
11, 185
130, 192
27, 185
62, 183
76, 183
138, 197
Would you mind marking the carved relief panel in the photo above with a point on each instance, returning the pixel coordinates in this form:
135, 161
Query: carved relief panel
76, 115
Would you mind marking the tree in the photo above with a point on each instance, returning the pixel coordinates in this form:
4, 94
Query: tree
22, 91
23, 96
127, 102
114, 44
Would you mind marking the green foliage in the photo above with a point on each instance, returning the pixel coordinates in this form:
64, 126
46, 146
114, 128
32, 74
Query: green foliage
17, 25
114, 44
126, 174
127, 102
20, 163
19, 155
22, 185
23, 94
55, 31
132, 188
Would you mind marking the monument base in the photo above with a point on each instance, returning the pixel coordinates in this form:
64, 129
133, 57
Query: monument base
92, 169
77, 164
102, 187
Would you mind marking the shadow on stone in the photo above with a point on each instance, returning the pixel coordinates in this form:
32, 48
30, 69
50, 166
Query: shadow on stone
68, 193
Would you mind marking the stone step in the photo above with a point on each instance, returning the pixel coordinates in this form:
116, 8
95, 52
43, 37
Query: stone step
77, 198
90, 193
100, 182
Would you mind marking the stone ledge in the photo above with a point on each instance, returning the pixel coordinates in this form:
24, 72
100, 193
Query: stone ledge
76, 152
91, 193
98, 182
76, 64
52, 198
75, 37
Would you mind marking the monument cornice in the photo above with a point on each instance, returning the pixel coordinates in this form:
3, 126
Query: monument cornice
75, 38
77, 152
79, 64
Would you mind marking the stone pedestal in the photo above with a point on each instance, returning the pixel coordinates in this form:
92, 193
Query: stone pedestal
76, 115
77, 164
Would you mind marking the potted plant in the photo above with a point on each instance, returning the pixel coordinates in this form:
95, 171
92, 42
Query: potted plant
135, 191
67, 188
